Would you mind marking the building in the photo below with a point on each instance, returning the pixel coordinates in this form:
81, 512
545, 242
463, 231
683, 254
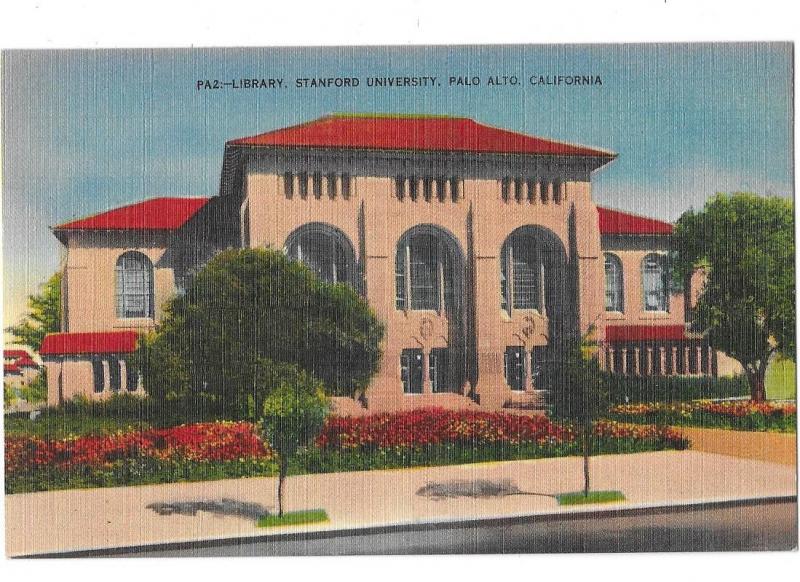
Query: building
481, 250
19, 368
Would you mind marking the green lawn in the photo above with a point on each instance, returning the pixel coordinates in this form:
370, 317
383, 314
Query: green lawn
780, 381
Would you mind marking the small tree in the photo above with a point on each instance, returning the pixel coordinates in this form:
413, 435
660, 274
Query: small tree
747, 305
43, 317
580, 393
294, 412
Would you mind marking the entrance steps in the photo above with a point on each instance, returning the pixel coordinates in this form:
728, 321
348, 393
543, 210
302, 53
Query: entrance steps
534, 401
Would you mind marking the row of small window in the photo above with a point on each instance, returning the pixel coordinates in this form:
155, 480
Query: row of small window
655, 283
114, 366
317, 184
532, 191
427, 188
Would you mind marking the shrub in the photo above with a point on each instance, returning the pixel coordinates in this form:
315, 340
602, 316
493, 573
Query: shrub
250, 305
634, 389
737, 414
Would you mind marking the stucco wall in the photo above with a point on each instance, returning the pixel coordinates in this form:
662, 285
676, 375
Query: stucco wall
90, 279
71, 376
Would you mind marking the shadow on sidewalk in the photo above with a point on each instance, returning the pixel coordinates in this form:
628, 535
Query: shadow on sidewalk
226, 507
476, 488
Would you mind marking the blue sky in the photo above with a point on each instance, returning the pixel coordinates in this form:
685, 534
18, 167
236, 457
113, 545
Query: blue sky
85, 131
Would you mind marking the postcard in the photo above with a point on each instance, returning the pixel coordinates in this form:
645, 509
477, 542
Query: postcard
399, 300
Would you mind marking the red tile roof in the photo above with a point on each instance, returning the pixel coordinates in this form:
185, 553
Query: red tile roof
11, 369
102, 342
409, 132
153, 214
618, 222
16, 354
26, 361
634, 333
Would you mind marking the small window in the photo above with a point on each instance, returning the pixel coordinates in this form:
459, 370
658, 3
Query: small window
346, 186
288, 184
411, 371
437, 369
614, 283
131, 377
654, 282
400, 187
515, 368
114, 377
454, 191
303, 179
98, 375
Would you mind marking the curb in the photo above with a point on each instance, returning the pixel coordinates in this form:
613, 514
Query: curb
571, 515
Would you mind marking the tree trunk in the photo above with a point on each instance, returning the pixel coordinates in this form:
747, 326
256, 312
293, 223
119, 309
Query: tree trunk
758, 392
282, 470
586, 451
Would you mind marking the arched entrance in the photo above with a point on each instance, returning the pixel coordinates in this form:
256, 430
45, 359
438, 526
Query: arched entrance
429, 286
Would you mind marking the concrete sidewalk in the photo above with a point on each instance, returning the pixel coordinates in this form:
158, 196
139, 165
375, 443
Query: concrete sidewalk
87, 519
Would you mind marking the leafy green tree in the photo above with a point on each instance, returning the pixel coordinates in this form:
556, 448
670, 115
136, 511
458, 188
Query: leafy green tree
247, 306
293, 415
745, 242
43, 317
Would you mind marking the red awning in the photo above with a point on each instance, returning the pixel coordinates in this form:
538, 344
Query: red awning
636, 333
101, 342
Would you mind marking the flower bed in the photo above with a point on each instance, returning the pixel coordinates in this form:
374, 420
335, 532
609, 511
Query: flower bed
220, 450
213, 441
731, 414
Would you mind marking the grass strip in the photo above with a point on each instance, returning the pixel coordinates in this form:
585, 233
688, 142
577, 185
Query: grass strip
293, 518
578, 497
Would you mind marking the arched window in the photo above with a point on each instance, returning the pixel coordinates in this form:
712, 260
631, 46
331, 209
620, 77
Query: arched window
521, 273
655, 282
134, 285
423, 272
323, 249
614, 284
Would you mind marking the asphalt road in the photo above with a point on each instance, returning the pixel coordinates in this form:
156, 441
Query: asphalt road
729, 527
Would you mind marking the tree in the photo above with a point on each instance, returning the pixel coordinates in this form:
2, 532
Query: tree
581, 392
43, 317
745, 243
247, 306
294, 412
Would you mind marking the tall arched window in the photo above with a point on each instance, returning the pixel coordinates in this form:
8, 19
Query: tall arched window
423, 272
521, 273
134, 285
614, 284
323, 249
654, 282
